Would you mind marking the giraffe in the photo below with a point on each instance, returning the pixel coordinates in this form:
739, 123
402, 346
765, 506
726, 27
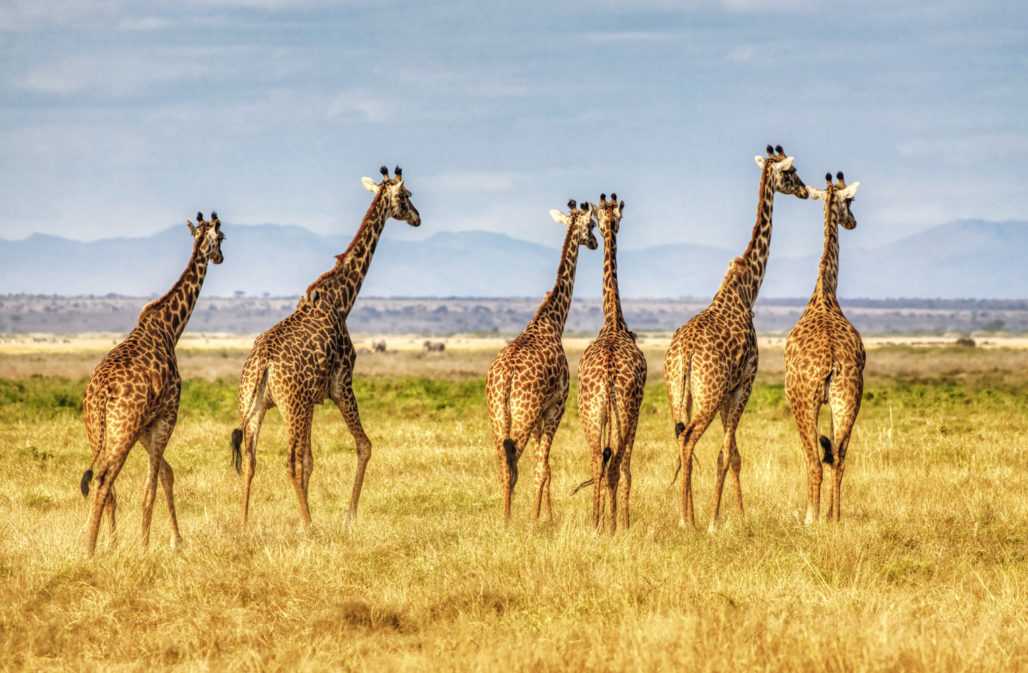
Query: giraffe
824, 359
611, 381
133, 394
527, 384
712, 360
309, 356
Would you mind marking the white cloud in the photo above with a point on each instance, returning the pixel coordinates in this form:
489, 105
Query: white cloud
358, 106
741, 54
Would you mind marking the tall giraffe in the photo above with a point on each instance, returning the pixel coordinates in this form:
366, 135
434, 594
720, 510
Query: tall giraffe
133, 394
712, 360
824, 359
309, 356
527, 384
611, 381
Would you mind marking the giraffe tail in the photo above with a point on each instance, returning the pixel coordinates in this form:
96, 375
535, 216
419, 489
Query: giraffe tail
826, 447
237, 434
511, 451
87, 477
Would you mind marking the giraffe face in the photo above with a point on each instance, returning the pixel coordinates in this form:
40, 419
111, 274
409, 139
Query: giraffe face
839, 197
608, 214
208, 236
580, 220
782, 172
397, 196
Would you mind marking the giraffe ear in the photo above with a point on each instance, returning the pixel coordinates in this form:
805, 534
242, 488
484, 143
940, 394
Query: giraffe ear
850, 190
760, 161
192, 228
370, 185
815, 193
559, 217
786, 163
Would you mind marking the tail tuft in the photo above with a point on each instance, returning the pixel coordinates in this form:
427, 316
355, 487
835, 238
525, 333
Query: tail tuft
679, 428
826, 446
512, 460
87, 477
237, 450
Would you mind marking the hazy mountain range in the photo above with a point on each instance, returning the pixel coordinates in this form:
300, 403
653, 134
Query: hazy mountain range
965, 258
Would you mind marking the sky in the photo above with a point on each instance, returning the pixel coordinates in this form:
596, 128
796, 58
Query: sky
121, 118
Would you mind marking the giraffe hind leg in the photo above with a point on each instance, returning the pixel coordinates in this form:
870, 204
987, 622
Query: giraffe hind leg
845, 405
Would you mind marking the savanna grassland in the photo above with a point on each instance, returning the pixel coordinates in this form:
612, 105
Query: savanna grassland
927, 572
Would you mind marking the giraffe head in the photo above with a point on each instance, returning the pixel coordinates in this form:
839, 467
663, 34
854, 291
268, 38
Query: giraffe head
608, 214
394, 191
208, 237
781, 172
580, 221
838, 197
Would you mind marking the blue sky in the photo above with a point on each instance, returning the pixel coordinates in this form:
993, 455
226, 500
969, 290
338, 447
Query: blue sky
122, 118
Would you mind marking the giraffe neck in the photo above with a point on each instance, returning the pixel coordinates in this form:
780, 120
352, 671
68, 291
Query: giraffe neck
554, 309
339, 286
169, 315
756, 253
613, 317
828, 270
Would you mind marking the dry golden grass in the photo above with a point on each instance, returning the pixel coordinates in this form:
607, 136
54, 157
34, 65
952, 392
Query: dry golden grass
928, 572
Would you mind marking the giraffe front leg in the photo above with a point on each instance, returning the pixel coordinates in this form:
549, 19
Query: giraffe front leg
347, 403
731, 414
155, 438
149, 495
299, 428
542, 476
168, 485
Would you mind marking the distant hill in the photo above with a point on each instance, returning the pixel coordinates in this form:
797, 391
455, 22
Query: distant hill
966, 258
